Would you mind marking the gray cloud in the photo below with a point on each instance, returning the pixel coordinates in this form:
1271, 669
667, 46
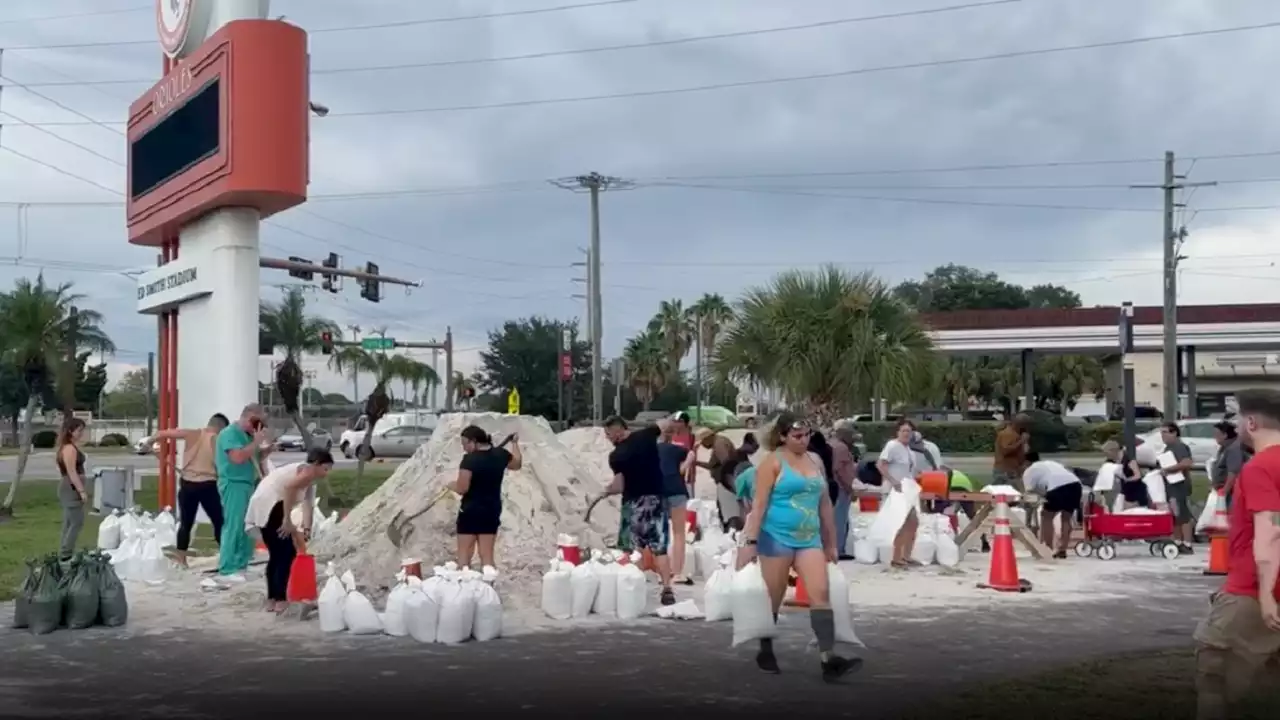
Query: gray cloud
487, 256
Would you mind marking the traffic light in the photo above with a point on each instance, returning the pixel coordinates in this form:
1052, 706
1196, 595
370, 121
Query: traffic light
331, 283
266, 344
326, 343
370, 288
301, 274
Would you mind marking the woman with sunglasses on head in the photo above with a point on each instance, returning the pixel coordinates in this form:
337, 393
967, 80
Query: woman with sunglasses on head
899, 466
792, 526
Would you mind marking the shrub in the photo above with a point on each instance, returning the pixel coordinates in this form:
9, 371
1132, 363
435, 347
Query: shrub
44, 439
1048, 434
113, 440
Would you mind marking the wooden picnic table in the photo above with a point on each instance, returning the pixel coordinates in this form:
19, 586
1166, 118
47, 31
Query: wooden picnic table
982, 522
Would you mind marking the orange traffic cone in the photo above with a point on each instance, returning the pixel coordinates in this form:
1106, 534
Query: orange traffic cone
801, 598
1218, 547
1004, 565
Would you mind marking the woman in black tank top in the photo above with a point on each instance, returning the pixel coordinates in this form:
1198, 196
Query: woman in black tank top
73, 492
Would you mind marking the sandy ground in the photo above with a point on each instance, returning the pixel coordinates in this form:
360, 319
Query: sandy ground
926, 634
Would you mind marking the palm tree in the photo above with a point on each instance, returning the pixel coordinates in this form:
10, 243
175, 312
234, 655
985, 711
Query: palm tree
828, 338
646, 365
386, 368
347, 360
711, 314
39, 323
675, 325
462, 385
297, 333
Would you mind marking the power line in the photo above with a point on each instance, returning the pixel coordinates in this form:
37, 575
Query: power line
760, 82
601, 49
355, 28
75, 15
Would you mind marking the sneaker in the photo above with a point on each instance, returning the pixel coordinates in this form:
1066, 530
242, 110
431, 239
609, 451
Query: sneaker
668, 596
768, 662
1185, 549
234, 579
837, 667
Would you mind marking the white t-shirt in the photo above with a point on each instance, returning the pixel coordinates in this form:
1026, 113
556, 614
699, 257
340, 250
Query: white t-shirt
900, 460
1046, 476
270, 492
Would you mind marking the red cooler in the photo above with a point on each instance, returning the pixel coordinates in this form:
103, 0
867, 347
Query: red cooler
571, 554
869, 503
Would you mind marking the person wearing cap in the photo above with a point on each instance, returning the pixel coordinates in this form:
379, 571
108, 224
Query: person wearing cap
1230, 459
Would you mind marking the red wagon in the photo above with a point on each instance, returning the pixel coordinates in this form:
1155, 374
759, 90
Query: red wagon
1103, 528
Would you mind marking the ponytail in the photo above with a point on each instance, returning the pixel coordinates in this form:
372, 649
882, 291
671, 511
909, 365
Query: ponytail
476, 434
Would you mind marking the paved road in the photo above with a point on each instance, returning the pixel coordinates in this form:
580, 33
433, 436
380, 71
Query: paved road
637, 671
41, 465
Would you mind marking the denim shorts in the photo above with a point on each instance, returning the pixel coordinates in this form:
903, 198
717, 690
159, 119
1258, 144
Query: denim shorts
769, 546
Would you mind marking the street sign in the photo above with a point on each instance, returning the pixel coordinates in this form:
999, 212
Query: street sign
513, 402
378, 343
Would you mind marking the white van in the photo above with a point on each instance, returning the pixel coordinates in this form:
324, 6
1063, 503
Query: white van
354, 435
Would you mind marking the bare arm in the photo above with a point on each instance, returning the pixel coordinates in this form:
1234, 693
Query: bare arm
177, 434
615, 486
68, 454
766, 477
827, 518
517, 458
463, 483
1266, 550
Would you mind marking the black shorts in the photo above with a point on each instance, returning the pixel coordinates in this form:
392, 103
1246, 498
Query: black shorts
1135, 492
479, 521
1064, 499
1179, 495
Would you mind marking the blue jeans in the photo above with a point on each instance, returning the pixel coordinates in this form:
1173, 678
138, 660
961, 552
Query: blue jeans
843, 503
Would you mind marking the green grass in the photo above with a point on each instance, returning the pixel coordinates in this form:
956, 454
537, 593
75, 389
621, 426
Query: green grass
33, 531
1123, 687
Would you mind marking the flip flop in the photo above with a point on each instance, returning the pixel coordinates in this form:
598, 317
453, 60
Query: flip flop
899, 564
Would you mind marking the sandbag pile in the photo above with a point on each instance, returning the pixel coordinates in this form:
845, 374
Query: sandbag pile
321, 524
872, 540
79, 594
450, 607
608, 583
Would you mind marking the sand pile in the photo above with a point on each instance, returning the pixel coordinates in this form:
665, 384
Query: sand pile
546, 497
592, 447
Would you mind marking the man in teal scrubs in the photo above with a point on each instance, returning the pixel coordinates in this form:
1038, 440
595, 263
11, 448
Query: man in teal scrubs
239, 450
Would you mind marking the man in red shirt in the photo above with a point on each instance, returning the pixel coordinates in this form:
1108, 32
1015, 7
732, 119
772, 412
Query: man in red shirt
1242, 632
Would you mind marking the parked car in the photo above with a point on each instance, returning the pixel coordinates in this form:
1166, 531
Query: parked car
146, 446
293, 442
1197, 434
401, 441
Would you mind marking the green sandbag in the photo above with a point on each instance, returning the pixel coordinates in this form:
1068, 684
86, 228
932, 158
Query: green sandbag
44, 611
113, 606
80, 594
23, 600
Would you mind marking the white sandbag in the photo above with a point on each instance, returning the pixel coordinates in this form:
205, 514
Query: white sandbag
152, 566
925, 548
632, 594
488, 619
884, 553
128, 525
752, 608
1155, 487
584, 585
606, 602
838, 589
948, 553
109, 531
332, 599
942, 525
718, 596
457, 612
683, 610
1117, 505
393, 617
707, 551
864, 551
893, 513
1105, 480
557, 592
1208, 516
357, 611
421, 614
125, 559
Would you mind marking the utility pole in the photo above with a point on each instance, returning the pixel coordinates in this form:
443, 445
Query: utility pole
435, 368
1126, 378
1171, 242
355, 372
151, 391
586, 280
593, 183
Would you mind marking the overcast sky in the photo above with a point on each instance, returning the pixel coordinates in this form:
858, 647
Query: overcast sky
500, 244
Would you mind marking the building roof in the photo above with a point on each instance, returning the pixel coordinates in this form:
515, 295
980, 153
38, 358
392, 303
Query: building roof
1098, 316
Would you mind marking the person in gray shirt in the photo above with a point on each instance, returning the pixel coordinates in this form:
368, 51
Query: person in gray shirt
1179, 490
1231, 458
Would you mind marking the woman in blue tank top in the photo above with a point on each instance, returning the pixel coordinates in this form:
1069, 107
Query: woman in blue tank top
792, 526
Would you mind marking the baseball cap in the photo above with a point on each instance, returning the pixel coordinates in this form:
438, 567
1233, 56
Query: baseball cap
681, 417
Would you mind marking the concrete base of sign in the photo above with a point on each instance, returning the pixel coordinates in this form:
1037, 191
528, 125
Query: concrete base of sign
218, 333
